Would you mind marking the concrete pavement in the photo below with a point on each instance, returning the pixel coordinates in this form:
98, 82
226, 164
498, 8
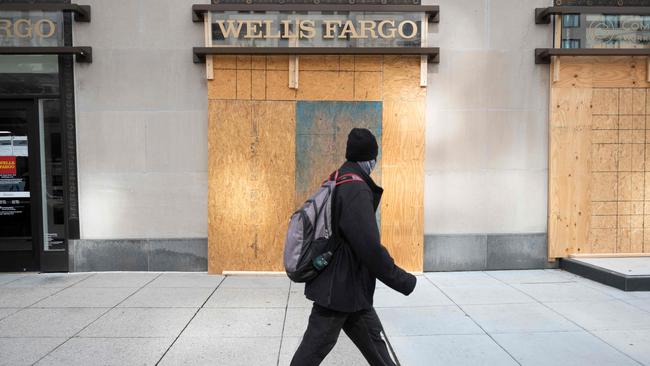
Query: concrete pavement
538, 317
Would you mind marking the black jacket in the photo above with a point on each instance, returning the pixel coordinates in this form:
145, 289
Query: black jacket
348, 283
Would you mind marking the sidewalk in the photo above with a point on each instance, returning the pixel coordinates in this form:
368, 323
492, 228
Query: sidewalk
541, 317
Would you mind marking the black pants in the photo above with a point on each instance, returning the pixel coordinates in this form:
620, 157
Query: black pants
363, 328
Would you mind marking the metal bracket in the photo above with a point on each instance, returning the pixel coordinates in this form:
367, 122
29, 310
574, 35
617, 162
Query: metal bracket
82, 54
81, 12
433, 53
543, 55
543, 15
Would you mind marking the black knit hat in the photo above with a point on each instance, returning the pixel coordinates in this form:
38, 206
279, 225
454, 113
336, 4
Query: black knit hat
362, 145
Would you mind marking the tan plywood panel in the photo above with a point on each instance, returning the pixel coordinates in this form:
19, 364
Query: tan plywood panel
368, 63
632, 101
346, 63
636, 241
367, 86
604, 186
604, 157
623, 240
244, 84
638, 158
244, 62
570, 192
326, 85
403, 180
605, 101
250, 183
258, 84
603, 208
319, 62
616, 72
224, 84
225, 62
258, 62
605, 122
251, 143
277, 86
277, 63
401, 79
574, 72
228, 181
603, 240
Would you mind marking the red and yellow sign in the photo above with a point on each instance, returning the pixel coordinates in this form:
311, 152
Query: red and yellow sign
7, 165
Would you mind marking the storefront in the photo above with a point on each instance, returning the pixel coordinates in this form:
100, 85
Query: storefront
197, 129
38, 194
286, 83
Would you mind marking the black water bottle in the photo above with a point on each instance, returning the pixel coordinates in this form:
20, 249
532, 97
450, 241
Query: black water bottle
321, 261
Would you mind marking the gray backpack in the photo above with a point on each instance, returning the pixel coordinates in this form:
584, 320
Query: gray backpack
311, 239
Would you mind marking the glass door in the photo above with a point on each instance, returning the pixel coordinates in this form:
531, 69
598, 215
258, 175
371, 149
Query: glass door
19, 187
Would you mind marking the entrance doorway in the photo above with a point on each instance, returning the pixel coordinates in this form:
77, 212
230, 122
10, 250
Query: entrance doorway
19, 188
32, 224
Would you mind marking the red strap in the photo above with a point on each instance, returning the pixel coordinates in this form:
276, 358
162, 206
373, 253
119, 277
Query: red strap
345, 178
348, 178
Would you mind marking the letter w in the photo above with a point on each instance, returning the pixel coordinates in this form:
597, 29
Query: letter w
230, 30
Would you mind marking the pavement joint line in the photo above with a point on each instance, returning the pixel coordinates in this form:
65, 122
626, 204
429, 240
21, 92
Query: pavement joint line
10, 314
573, 322
52, 294
636, 306
284, 322
96, 319
189, 321
474, 321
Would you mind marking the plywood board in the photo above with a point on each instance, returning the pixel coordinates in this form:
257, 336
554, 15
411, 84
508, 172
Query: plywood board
616, 174
403, 163
250, 186
321, 136
253, 141
570, 150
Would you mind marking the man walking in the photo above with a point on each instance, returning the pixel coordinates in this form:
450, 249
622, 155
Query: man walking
343, 292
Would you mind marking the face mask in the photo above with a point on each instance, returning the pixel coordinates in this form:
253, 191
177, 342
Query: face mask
368, 166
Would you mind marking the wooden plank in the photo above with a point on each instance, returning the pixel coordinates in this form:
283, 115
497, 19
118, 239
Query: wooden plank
570, 152
616, 72
224, 84
367, 85
326, 85
403, 177
250, 183
252, 151
401, 79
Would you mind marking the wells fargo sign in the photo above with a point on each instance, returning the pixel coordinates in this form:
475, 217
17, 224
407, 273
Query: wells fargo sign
24, 29
314, 29
325, 28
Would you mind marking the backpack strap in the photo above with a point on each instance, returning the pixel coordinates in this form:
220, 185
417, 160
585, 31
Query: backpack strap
349, 178
342, 179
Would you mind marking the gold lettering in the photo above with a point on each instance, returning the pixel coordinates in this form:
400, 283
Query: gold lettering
286, 30
330, 28
40, 31
253, 29
23, 32
268, 26
414, 29
367, 26
381, 29
5, 27
349, 30
229, 30
307, 29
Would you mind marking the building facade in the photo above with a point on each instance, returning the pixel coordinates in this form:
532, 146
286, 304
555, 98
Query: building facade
144, 160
